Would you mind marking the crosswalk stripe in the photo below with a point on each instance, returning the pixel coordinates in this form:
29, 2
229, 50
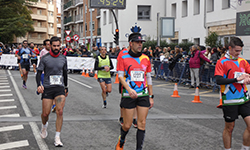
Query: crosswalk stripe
7, 107
2, 87
7, 90
6, 95
3, 83
11, 128
7, 100
10, 115
11, 145
3, 80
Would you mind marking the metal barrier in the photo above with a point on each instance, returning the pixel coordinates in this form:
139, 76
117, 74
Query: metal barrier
181, 74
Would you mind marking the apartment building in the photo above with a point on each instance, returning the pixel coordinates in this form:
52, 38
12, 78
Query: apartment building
194, 19
140, 13
44, 15
58, 22
77, 19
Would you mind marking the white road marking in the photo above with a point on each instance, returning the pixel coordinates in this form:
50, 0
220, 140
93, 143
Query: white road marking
4, 83
4, 87
11, 145
11, 128
10, 115
8, 90
36, 132
6, 95
7, 100
7, 107
80, 83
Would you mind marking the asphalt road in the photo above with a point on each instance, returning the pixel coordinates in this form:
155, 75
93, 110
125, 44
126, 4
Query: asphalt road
172, 124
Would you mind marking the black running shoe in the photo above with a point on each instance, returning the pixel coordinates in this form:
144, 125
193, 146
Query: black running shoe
134, 123
120, 120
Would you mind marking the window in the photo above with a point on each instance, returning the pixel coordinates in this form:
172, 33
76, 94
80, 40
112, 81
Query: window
174, 10
39, 24
210, 5
184, 40
81, 11
51, 13
104, 18
197, 41
51, 25
86, 27
110, 17
39, 11
93, 25
39, 36
144, 12
225, 4
58, 31
81, 28
184, 8
57, 20
196, 7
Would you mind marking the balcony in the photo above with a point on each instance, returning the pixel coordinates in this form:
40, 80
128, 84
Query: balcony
98, 31
69, 5
38, 17
69, 20
40, 29
51, 31
78, 2
51, 19
38, 5
79, 18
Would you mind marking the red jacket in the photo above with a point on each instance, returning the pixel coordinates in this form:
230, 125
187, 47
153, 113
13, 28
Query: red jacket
194, 61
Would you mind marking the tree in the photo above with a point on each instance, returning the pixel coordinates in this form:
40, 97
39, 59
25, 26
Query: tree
211, 40
15, 19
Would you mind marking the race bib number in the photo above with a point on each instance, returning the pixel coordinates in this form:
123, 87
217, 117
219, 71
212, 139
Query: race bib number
137, 75
25, 56
238, 74
55, 80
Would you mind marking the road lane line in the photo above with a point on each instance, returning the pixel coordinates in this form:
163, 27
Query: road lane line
80, 83
36, 132
7, 100
7, 107
11, 145
10, 115
4, 87
8, 90
6, 95
4, 83
11, 128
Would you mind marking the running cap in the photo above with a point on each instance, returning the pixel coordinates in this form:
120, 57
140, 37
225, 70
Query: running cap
135, 37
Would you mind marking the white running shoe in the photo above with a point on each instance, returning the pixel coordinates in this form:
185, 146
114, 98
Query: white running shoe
58, 142
44, 132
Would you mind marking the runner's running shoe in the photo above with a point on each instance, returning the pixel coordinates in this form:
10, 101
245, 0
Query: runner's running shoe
24, 86
53, 109
120, 144
58, 142
134, 123
107, 94
44, 132
120, 120
104, 106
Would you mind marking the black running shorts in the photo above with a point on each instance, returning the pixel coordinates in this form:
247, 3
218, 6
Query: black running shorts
51, 93
34, 61
26, 67
231, 113
130, 103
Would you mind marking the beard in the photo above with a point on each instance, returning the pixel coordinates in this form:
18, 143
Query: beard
53, 51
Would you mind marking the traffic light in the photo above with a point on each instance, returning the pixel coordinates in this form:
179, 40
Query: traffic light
116, 37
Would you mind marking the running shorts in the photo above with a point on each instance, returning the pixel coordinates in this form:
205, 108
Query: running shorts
51, 93
34, 61
130, 103
232, 112
26, 67
106, 80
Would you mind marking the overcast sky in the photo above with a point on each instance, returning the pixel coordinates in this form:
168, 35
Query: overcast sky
58, 5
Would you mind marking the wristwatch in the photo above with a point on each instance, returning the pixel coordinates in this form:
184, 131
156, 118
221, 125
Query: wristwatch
151, 96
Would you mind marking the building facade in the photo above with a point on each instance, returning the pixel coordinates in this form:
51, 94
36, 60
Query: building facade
76, 18
44, 15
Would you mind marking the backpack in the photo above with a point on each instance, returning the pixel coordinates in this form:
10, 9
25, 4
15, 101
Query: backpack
202, 61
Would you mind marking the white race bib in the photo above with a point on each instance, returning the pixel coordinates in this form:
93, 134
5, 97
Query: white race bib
238, 74
55, 80
137, 75
25, 56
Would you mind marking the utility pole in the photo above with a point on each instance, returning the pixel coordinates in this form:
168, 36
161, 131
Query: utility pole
62, 21
91, 30
117, 29
85, 8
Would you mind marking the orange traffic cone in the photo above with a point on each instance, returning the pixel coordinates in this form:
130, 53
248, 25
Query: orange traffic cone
95, 75
196, 96
116, 79
220, 105
83, 72
87, 74
175, 93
